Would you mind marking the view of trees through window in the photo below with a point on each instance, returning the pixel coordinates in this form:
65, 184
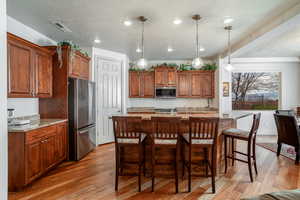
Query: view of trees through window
255, 91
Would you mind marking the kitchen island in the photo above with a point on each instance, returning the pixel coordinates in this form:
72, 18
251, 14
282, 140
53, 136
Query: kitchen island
129, 154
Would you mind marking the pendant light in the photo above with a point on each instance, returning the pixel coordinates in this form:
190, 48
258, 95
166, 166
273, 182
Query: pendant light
229, 67
197, 62
142, 62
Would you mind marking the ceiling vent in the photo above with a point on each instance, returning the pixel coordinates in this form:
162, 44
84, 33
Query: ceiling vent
60, 26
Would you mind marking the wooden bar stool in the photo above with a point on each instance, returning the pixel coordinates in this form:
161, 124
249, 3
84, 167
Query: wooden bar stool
250, 137
127, 131
165, 134
203, 134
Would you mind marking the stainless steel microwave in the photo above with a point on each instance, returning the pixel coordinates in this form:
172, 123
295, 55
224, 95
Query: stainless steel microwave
165, 92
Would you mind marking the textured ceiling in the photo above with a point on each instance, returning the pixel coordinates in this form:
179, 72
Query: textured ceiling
89, 19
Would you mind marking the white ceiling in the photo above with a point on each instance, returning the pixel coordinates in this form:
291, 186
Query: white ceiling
89, 19
286, 45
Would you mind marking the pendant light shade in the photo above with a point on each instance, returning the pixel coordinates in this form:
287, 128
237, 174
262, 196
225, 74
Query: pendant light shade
142, 63
229, 66
197, 61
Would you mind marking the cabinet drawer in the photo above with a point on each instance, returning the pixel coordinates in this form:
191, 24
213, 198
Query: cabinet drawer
36, 135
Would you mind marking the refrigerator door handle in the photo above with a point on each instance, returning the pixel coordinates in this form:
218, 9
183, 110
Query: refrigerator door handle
84, 131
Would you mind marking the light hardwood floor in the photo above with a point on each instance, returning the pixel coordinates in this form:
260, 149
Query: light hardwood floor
93, 178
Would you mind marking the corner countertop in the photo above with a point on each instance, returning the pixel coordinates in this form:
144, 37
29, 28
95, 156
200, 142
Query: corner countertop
234, 115
34, 125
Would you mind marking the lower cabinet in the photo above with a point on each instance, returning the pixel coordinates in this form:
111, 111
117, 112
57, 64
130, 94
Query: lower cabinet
33, 153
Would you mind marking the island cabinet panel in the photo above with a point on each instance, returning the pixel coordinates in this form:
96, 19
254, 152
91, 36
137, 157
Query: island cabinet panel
29, 69
43, 149
183, 84
141, 84
195, 84
165, 76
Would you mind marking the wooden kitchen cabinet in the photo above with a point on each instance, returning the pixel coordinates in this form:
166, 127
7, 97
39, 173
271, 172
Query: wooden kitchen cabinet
141, 84
195, 84
43, 74
79, 66
31, 154
33, 159
183, 84
29, 69
165, 76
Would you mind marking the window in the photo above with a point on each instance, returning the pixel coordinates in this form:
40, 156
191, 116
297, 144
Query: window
255, 91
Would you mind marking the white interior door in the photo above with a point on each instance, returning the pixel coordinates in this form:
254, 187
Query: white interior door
109, 96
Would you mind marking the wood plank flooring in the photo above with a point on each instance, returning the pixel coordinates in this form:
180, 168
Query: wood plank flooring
93, 179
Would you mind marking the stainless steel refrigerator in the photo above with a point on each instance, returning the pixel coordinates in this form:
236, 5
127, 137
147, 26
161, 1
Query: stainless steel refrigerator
82, 117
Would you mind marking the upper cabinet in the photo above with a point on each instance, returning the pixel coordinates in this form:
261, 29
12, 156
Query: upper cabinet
196, 84
141, 84
79, 66
165, 76
29, 69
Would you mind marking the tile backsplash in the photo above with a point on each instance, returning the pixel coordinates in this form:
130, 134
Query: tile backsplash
24, 106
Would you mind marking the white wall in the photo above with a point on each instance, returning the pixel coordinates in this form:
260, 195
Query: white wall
290, 87
3, 102
27, 106
178, 102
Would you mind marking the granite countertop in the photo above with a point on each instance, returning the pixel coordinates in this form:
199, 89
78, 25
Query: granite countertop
178, 110
235, 115
35, 125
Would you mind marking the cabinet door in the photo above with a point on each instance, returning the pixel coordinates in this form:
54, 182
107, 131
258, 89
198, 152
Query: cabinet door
75, 64
48, 149
147, 83
84, 68
61, 142
196, 85
207, 85
33, 161
171, 76
183, 84
134, 85
19, 70
160, 77
43, 74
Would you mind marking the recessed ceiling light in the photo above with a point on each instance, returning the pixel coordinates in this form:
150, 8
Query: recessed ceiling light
138, 50
170, 49
201, 49
228, 20
97, 41
177, 21
127, 23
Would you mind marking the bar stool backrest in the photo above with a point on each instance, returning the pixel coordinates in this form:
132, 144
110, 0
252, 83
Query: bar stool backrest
165, 128
255, 125
127, 127
203, 128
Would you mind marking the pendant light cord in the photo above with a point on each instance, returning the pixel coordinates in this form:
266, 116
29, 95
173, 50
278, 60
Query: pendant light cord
143, 39
197, 39
229, 47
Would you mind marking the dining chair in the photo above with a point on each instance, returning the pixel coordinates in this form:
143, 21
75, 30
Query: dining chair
285, 112
202, 134
288, 133
127, 132
165, 134
250, 137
